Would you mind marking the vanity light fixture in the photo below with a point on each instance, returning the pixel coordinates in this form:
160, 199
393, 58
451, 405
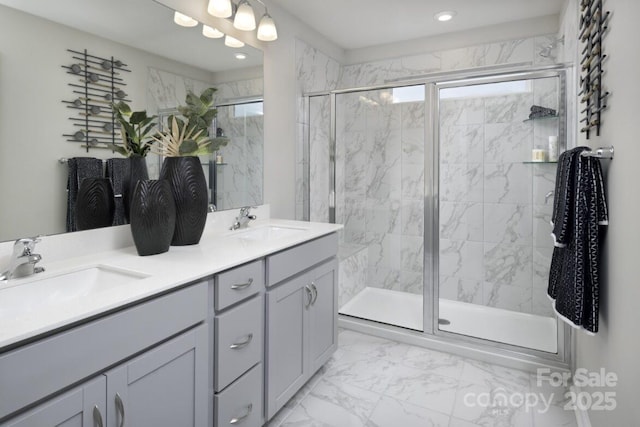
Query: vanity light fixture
267, 31
220, 8
212, 33
240, 56
245, 19
231, 42
184, 20
444, 16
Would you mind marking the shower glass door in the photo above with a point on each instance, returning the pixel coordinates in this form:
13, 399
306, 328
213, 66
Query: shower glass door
379, 197
495, 205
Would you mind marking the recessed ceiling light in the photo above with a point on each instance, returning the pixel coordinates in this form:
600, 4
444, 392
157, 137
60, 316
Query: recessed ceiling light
240, 55
445, 15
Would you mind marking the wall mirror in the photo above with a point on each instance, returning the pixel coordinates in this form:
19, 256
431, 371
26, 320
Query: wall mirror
166, 61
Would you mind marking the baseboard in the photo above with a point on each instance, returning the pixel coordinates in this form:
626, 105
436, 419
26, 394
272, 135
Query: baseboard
582, 415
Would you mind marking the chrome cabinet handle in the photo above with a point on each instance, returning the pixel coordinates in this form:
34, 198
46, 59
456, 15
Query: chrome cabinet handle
239, 419
120, 409
239, 286
309, 296
97, 417
238, 345
315, 293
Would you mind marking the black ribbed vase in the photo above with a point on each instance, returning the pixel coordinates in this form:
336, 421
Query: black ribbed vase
137, 172
153, 216
189, 188
95, 204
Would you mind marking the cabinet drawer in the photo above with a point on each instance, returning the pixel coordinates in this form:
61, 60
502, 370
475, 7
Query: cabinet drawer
299, 258
238, 341
241, 403
237, 284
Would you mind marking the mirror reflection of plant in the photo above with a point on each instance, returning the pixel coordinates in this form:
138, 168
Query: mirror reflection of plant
135, 128
189, 135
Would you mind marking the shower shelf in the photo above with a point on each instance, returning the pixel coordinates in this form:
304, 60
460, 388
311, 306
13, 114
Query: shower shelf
529, 162
540, 118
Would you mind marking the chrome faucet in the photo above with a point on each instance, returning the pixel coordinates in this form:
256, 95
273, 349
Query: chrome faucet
243, 218
23, 260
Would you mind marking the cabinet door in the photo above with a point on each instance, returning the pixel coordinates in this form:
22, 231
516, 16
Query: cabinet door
84, 406
323, 314
286, 341
165, 386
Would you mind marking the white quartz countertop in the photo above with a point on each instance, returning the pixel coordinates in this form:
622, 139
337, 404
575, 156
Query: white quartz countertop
216, 252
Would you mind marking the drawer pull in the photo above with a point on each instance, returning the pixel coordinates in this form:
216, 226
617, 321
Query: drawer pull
244, 343
240, 286
239, 419
97, 417
315, 293
120, 408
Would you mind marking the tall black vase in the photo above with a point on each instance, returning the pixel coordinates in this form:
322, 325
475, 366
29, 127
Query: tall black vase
137, 172
153, 216
189, 188
95, 204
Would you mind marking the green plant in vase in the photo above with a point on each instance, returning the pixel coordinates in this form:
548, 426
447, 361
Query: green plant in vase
135, 129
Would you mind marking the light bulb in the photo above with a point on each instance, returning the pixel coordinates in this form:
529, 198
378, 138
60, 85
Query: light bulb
240, 56
212, 33
220, 8
245, 20
267, 29
231, 42
184, 20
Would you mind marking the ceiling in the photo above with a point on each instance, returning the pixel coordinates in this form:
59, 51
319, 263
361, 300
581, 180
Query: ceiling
353, 24
143, 24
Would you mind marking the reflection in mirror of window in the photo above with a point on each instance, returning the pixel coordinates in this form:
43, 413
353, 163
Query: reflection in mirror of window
248, 110
408, 94
488, 89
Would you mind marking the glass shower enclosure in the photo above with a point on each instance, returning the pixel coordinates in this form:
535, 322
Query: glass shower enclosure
446, 216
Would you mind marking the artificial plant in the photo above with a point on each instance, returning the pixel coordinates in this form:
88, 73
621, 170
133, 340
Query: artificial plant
135, 129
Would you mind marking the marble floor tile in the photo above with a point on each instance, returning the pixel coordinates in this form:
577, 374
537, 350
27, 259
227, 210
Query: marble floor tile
391, 413
372, 346
374, 382
435, 362
423, 389
334, 405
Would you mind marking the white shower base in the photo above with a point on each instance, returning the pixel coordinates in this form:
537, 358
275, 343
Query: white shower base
494, 324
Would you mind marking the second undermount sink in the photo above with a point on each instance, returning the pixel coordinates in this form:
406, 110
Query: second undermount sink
268, 232
25, 296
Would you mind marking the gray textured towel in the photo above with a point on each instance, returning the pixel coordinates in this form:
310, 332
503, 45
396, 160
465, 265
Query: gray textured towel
119, 170
79, 169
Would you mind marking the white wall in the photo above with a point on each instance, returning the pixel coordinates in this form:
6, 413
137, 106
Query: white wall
616, 347
33, 118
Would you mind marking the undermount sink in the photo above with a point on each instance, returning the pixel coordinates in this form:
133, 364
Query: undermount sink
269, 232
24, 296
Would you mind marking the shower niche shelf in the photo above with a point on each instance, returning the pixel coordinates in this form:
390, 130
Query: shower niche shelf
540, 118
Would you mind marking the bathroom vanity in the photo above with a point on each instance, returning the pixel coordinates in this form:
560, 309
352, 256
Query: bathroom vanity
221, 333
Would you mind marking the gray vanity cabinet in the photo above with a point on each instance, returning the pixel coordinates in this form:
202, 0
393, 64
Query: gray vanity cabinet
83, 406
165, 386
301, 314
147, 362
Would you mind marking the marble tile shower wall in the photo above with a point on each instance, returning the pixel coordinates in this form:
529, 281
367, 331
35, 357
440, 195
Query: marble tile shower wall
380, 181
495, 246
240, 177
